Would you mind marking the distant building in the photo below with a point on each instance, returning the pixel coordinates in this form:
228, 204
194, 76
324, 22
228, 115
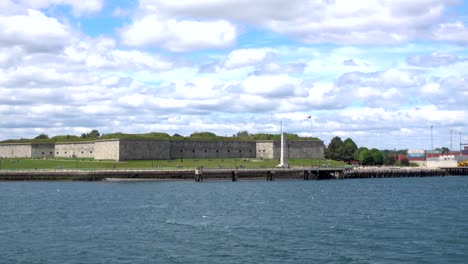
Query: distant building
416, 155
465, 151
445, 161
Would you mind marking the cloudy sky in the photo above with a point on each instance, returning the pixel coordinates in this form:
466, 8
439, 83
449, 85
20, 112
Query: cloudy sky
381, 72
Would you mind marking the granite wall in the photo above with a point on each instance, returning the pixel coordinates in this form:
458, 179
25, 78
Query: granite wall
144, 150
107, 149
268, 149
15, 150
212, 149
42, 150
296, 149
306, 149
74, 150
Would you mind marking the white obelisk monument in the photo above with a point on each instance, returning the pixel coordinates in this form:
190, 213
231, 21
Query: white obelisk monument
284, 152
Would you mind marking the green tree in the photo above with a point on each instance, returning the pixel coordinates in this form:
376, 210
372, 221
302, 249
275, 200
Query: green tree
206, 135
243, 134
445, 150
42, 136
377, 156
348, 150
93, 134
389, 159
334, 149
404, 162
356, 154
364, 156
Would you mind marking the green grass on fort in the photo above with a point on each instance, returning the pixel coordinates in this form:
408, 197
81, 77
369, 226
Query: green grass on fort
161, 136
90, 164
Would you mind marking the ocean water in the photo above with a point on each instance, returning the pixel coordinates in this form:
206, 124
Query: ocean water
405, 220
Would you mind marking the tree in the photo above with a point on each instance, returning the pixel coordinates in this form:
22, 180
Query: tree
243, 134
42, 136
206, 135
357, 153
364, 156
403, 162
334, 149
445, 150
377, 156
92, 134
348, 150
389, 159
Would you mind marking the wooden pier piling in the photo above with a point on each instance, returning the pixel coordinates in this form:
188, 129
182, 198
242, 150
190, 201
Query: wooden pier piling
199, 175
234, 176
270, 175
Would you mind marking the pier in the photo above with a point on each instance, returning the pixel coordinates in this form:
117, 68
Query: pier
200, 175
393, 172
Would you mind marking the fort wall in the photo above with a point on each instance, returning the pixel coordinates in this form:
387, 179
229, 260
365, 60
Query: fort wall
74, 150
144, 150
42, 150
306, 149
212, 149
15, 150
107, 149
121, 149
296, 149
268, 149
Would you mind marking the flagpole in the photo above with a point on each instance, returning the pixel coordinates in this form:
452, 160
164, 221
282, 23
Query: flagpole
311, 152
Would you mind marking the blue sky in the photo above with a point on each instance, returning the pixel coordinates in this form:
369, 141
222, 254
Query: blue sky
380, 72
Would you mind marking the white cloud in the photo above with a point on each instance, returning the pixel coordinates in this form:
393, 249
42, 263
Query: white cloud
338, 21
35, 32
247, 57
456, 32
179, 35
433, 60
102, 53
275, 68
196, 89
81, 83
272, 86
78, 6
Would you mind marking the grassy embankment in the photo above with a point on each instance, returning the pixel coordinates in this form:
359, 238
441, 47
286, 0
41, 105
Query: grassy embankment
89, 164
159, 136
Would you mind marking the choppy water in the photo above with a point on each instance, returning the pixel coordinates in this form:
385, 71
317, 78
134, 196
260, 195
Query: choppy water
407, 220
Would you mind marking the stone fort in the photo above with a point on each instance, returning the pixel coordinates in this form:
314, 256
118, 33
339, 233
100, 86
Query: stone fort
127, 149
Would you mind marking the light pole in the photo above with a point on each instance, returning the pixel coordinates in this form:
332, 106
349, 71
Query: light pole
451, 130
460, 143
432, 142
311, 152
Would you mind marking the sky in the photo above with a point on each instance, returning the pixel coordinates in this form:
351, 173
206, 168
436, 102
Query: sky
380, 72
